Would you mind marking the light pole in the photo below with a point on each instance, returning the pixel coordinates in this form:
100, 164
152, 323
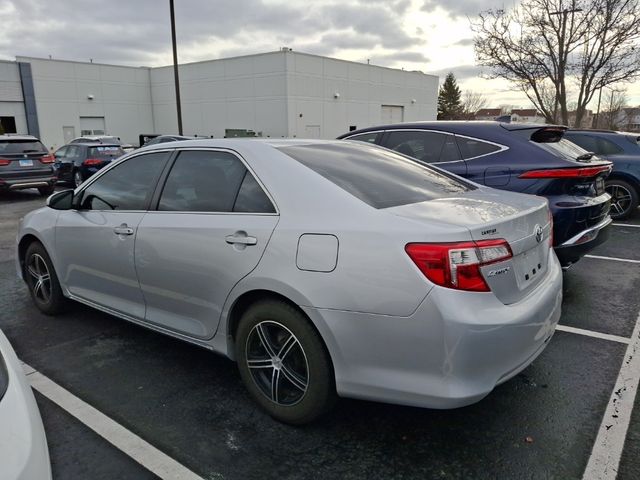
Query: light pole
175, 66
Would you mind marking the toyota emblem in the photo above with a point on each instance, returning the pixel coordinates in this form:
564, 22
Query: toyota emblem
538, 231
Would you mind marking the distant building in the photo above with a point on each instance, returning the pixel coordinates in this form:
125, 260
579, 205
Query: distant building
628, 119
277, 94
527, 115
488, 113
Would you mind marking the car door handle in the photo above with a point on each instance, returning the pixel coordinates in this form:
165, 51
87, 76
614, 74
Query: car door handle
241, 239
123, 229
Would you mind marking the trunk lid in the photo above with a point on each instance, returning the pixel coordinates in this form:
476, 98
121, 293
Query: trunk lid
522, 220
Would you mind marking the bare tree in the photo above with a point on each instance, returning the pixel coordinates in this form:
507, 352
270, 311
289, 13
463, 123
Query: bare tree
554, 50
471, 103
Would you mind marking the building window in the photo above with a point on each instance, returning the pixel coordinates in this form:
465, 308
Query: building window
8, 125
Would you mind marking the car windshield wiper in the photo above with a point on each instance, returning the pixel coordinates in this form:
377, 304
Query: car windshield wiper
585, 156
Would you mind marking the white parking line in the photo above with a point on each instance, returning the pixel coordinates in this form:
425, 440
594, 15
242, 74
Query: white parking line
128, 442
625, 225
605, 457
599, 257
591, 333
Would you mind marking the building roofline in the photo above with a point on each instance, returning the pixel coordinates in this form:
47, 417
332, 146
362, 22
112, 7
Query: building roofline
21, 58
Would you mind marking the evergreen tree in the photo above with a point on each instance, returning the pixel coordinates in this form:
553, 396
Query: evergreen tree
449, 99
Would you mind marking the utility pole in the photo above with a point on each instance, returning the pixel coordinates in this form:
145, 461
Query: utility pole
175, 67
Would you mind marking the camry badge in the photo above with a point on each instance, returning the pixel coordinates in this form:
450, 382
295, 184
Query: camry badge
538, 231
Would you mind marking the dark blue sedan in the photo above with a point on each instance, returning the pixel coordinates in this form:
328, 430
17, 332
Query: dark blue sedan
623, 151
76, 162
525, 158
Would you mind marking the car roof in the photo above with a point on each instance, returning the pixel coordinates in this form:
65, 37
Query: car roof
456, 126
93, 144
15, 136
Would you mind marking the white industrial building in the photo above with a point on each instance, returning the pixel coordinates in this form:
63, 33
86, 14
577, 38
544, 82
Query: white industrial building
277, 94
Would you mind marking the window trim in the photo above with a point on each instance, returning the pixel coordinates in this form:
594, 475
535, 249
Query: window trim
155, 199
502, 148
78, 192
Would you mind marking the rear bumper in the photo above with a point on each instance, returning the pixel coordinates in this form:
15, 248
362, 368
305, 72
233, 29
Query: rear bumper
583, 242
30, 182
450, 353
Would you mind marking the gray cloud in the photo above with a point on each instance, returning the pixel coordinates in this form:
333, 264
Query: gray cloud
138, 33
461, 72
463, 8
465, 42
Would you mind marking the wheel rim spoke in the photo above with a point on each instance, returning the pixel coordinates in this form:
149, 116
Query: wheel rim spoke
32, 272
286, 347
275, 384
260, 363
294, 379
38, 270
264, 340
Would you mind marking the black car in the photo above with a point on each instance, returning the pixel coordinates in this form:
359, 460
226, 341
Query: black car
624, 151
534, 159
76, 162
25, 163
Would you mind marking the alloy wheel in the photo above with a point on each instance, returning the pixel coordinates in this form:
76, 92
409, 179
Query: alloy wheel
40, 278
77, 179
277, 363
620, 198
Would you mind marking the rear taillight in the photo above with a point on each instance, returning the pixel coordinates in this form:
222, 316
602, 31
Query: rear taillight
47, 159
457, 265
567, 172
4, 162
92, 162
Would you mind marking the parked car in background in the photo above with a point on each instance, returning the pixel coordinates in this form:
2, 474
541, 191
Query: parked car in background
25, 163
23, 446
104, 139
623, 184
321, 267
525, 158
166, 139
76, 162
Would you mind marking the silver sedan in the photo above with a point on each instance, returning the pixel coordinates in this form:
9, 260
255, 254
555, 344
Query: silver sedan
323, 268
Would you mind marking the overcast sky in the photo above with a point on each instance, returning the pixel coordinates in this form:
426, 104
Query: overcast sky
428, 35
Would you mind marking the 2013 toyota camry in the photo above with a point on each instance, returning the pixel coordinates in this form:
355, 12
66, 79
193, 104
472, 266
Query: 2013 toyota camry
324, 268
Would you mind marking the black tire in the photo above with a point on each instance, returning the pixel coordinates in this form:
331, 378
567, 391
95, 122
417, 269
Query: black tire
624, 198
305, 363
46, 191
45, 291
77, 178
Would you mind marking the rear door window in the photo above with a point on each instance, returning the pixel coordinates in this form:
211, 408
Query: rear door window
472, 148
211, 181
378, 177
430, 147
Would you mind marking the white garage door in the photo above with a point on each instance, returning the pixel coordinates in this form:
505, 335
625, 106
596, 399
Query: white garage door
92, 126
391, 114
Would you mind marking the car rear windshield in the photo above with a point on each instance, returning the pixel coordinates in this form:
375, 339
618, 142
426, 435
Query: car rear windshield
21, 146
378, 177
555, 143
105, 152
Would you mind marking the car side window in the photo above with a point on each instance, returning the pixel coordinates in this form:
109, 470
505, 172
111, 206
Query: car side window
61, 152
127, 186
369, 137
471, 148
211, 181
73, 152
607, 147
430, 147
586, 142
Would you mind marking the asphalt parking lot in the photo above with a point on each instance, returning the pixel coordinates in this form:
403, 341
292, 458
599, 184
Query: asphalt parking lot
191, 406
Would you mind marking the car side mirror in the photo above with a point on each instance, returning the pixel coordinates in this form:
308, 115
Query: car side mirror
61, 200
